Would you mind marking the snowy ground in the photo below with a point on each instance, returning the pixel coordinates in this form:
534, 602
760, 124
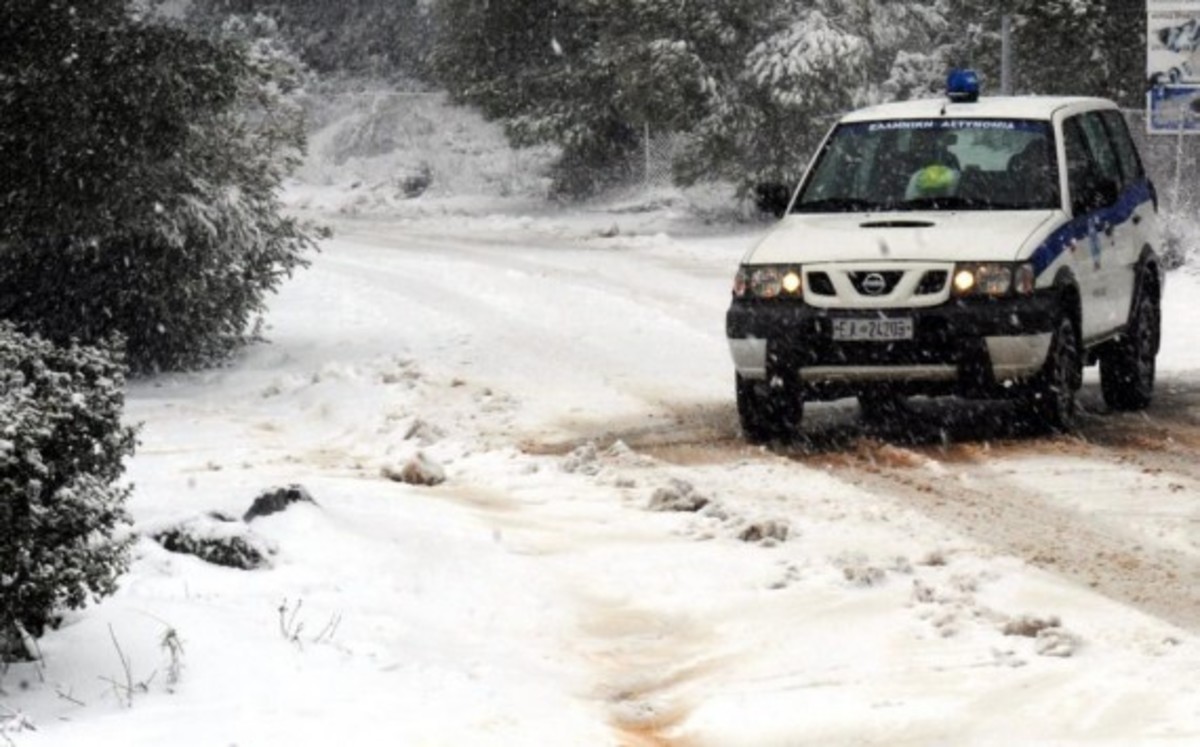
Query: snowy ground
606, 563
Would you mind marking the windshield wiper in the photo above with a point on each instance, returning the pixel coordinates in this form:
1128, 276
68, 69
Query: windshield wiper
836, 205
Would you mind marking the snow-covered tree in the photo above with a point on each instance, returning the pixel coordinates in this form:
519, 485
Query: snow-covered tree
382, 37
752, 81
1070, 47
527, 64
141, 164
755, 83
1081, 47
590, 76
819, 59
61, 450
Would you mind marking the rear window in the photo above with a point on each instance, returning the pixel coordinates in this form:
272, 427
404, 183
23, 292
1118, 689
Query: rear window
941, 164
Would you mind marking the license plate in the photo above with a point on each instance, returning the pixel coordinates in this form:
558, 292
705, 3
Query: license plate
872, 330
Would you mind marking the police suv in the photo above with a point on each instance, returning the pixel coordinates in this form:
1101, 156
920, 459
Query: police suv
980, 247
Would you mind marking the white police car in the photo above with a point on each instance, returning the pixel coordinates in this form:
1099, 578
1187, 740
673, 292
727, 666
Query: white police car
978, 247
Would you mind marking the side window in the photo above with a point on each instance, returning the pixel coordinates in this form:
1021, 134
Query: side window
1081, 172
1100, 146
1127, 155
840, 170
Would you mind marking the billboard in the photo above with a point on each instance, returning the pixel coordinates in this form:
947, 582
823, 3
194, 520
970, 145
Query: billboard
1173, 66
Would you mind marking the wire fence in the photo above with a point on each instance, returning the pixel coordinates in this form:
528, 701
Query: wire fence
659, 153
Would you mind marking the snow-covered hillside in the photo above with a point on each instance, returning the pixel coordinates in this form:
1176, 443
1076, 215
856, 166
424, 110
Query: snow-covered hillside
375, 150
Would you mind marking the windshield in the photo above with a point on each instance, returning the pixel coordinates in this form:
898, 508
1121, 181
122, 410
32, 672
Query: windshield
943, 164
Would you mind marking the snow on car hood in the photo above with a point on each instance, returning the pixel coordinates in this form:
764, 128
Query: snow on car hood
915, 236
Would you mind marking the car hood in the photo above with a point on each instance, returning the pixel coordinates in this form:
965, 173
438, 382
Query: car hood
917, 236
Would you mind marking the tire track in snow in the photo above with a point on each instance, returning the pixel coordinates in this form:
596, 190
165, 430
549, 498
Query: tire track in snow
977, 483
495, 335
537, 259
977, 497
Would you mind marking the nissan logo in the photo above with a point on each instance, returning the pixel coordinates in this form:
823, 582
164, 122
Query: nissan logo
874, 284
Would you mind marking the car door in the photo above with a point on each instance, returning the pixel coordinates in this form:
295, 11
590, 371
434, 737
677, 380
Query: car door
1136, 196
1091, 244
1115, 224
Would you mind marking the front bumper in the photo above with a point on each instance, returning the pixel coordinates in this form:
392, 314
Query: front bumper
972, 347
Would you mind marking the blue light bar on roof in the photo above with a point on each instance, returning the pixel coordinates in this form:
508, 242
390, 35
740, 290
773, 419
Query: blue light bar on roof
962, 86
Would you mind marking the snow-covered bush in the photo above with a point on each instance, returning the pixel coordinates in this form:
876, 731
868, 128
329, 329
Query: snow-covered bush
276, 500
61, 450
216, 539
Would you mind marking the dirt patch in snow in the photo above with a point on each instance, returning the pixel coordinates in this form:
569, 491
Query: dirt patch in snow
946, 431
647, 660
686, 435
480, 498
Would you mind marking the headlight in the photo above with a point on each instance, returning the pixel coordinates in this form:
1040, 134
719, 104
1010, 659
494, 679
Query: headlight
993, 279
768, 281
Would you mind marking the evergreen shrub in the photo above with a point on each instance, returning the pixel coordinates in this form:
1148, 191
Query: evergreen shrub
62, 446
141, 165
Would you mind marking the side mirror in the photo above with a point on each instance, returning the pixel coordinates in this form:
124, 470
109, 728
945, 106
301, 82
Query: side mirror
772, 197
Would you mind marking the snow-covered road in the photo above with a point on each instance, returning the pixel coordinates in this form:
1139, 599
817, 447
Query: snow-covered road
607, 563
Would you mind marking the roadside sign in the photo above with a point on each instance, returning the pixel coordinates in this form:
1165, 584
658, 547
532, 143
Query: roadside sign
1173, 66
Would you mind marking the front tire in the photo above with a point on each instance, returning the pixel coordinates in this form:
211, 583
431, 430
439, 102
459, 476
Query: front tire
769, 409
1127, 367
1052, 400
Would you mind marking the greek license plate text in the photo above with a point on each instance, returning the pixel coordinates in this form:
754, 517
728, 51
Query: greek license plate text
872, 329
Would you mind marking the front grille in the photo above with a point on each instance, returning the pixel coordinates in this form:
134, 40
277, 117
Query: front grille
875, 283
933, 282
819, 284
